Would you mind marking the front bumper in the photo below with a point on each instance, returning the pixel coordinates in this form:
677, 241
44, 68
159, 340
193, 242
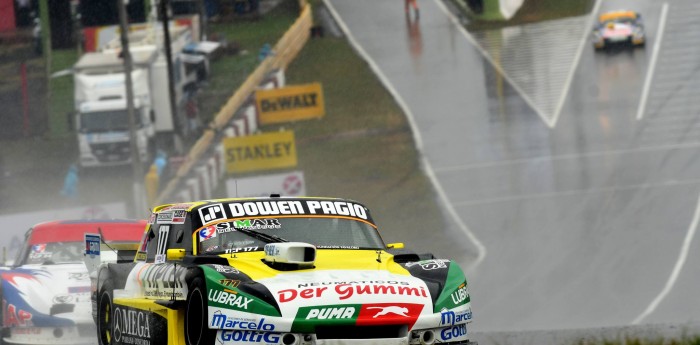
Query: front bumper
456, 334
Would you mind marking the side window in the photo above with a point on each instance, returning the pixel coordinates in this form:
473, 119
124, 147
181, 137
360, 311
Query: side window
163, 236
163, 232
143, 247
157, 243
22, 254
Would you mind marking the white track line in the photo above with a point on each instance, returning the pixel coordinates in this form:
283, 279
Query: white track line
652, 62
550, 122
579, 52
496, 66
682, 256
416, 134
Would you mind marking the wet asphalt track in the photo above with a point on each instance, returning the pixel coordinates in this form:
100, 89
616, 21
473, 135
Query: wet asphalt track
577, 209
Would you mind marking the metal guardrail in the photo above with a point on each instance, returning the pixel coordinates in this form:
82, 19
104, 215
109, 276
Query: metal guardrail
284, 52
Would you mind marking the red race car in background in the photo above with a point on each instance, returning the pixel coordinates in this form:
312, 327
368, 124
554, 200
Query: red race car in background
46, 292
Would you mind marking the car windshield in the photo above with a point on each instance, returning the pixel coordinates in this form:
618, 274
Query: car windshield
620, 21
245, 235
54, 253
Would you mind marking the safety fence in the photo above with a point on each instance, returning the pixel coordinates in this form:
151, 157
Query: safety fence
203, 166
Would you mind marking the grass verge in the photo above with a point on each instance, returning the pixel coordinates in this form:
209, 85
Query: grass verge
247, 38
532, 11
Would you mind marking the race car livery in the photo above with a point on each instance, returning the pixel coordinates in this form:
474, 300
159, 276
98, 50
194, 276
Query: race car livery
46, 294
277, 271
619, 28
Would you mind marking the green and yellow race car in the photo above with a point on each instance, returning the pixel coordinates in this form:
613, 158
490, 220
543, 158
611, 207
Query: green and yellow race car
276, 270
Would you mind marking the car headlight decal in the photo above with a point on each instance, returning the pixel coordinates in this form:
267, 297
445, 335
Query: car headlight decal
237, 292
455, 292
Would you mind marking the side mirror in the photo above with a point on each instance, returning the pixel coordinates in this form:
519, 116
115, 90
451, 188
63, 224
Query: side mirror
175, 254
398, 245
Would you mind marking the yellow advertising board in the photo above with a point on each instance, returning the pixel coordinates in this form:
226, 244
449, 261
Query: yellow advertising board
291, 103
273, 150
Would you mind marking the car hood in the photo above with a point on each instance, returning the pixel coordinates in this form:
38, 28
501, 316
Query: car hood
293, 291
50, 295
345, 287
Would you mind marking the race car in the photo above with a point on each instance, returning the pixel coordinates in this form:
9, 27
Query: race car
277, 270
619, 28
46, 292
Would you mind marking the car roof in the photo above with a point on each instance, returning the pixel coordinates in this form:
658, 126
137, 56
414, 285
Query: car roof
617, 14
113, 230
171, 212
189, 206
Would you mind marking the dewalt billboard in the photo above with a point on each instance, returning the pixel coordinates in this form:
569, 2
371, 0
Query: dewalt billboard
266, 151
291, 103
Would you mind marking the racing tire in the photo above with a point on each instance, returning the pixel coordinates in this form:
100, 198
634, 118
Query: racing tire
105, 313
197, 331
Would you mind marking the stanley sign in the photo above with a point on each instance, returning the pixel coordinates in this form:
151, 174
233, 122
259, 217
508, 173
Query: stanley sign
290, 103
273, 150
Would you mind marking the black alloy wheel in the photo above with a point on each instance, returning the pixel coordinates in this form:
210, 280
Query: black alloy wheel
105, 314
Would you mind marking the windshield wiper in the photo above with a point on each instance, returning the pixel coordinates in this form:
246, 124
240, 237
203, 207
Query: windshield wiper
267, 238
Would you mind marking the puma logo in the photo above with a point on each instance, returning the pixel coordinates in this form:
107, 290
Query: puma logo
390, 310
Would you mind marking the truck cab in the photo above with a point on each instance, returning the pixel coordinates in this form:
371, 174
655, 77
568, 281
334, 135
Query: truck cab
103, 132
101, 113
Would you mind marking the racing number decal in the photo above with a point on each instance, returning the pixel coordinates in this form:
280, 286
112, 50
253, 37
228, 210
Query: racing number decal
163, 232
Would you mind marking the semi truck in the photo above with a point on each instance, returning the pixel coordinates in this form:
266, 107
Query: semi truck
101, 114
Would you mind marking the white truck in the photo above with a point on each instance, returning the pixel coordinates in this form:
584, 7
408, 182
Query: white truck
100, 96
102, 121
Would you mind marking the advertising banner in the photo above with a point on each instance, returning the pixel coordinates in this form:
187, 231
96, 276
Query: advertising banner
291, 103
286, 184
275, 150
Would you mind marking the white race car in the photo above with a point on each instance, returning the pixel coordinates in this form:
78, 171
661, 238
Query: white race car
46, 293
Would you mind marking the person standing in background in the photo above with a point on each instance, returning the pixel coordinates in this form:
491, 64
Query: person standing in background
36, 35
24, 11
70, 182
412, 4
192, 111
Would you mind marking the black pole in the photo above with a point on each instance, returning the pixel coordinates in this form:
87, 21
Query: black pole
202, 20
138, 206
163, 6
